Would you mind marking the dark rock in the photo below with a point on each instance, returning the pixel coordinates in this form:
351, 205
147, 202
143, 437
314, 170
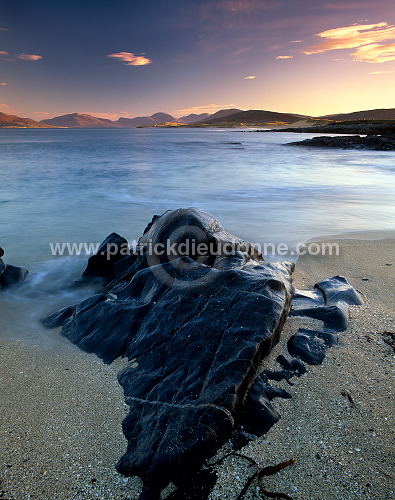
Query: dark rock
310, 345
259, 414
195, 326
306, 347
338, 290
275, 392
335, 318
375, 142
328, 302
102, 265
298, 367
289, 368
307, 298
10, 275
284, 362
196, 487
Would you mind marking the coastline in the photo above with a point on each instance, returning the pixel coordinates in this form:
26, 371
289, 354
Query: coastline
62, 408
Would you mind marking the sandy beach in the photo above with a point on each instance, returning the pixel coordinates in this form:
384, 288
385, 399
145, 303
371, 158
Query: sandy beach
61, 409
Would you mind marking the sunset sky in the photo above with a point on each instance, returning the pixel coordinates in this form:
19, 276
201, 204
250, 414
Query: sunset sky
133, 57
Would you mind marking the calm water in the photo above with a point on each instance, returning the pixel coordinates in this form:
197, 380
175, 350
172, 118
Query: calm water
81, 185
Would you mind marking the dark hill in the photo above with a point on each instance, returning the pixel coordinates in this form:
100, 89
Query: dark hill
372, 114
254, 116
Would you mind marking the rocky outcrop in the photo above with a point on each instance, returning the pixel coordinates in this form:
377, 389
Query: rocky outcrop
195, 310
373, 142
386, 128
10, 275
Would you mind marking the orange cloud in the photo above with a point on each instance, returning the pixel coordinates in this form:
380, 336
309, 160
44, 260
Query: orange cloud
375, 53
3, 84
380, 72
4, 53
284, 57
130, 59
252, 77
207, 108
368, 39
28, 57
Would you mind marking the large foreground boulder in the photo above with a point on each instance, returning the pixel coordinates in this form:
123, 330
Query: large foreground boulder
195, 310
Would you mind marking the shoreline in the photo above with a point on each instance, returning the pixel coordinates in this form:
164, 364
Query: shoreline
61, 422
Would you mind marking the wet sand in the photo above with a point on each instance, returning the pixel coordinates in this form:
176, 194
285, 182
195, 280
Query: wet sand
344, 449
61, 409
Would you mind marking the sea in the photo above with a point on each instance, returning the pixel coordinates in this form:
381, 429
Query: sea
79, 185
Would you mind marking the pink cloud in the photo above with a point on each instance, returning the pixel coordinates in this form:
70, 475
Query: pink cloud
252, 77
24, 57
241, 51
3, 84
109, 116
28, 57
40, 115
130, 59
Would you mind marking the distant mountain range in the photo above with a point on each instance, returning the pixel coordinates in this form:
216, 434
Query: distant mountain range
225, 117
78, 120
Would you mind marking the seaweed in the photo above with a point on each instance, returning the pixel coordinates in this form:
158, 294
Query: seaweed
347, 395
259, 474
